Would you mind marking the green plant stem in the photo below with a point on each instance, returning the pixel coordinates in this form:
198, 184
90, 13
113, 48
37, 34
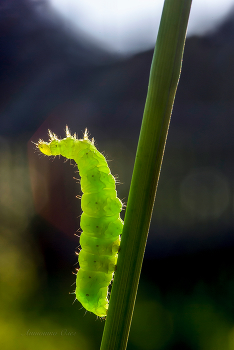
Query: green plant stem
164, 76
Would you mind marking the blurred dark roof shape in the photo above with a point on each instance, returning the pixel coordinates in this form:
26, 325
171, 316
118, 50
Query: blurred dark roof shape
44, 64
33, 30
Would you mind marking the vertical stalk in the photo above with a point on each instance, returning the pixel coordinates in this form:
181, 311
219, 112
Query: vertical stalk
164, 76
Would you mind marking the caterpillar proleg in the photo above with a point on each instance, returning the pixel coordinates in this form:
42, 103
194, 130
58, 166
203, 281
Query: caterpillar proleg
100, 221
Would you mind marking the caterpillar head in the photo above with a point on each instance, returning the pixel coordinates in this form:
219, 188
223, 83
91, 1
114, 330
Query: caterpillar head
49, 148
44, 147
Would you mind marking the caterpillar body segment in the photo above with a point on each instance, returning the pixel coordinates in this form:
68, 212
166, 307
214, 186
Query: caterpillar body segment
100, 221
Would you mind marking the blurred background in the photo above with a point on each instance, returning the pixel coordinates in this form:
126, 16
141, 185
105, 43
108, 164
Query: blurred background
86, 64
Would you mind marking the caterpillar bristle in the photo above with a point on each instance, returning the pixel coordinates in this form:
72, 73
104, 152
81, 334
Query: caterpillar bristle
86, 136
117, 182
67, 132
50, 135
124, 205
34, 143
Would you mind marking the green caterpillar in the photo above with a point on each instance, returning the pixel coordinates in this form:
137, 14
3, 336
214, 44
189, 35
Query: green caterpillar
100, 221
